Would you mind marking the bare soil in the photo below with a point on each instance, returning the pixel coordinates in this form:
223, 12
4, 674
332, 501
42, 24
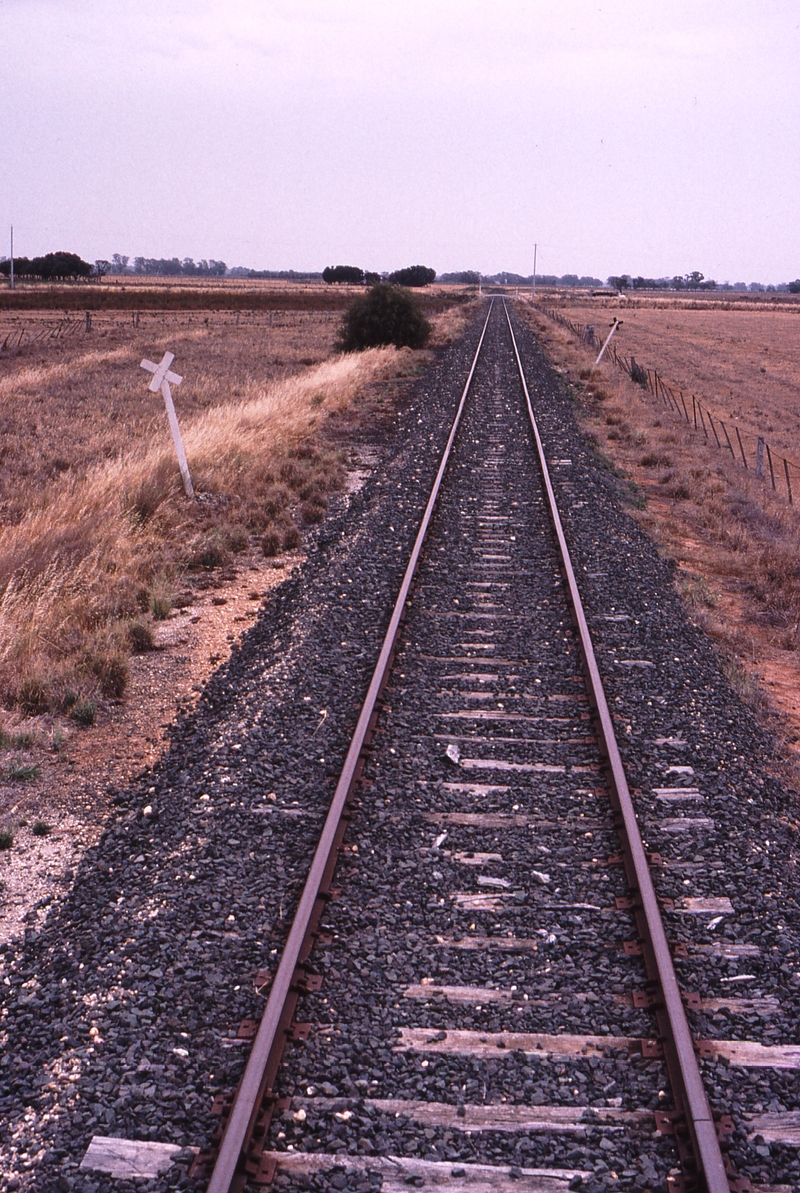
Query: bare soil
77, 778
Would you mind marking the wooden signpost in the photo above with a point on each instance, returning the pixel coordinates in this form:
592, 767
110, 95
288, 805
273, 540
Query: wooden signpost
617, 323
162, 379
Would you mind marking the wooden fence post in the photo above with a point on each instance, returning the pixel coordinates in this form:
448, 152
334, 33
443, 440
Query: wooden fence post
760, 458
713, 428
771, 469
788, 482
741, 448
702, 420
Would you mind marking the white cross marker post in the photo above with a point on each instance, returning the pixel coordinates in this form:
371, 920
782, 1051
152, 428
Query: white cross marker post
162, 379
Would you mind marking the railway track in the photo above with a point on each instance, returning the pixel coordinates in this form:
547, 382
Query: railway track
490, 981
482, 816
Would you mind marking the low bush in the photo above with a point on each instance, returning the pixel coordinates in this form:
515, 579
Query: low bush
271, 543
385, 315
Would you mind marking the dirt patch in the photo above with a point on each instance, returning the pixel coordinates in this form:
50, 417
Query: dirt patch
77, 778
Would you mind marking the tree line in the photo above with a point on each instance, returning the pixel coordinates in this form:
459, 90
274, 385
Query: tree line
353, 275
51, 266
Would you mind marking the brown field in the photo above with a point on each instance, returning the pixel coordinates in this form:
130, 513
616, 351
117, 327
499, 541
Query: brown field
744, 363
736, 544
199, 294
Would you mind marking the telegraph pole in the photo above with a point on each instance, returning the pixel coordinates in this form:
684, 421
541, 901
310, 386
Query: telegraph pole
12, 256
533, 281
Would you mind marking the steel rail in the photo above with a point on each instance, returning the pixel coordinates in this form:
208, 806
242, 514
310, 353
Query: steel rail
249, 1117
684, 1071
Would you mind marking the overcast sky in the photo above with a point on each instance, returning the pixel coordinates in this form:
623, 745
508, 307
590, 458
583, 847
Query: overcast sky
644, 136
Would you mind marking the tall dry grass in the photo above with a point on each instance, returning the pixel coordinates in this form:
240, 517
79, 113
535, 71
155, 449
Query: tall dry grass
81, 569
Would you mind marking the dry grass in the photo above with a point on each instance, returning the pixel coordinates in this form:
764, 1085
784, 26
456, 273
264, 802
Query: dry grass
96, 533
737, 545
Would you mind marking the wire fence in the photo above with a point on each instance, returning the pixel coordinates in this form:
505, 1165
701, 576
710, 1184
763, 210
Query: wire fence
27, 332
22, 336
752, 450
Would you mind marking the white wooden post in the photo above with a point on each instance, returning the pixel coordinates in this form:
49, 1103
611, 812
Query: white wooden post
162, 379
617, 323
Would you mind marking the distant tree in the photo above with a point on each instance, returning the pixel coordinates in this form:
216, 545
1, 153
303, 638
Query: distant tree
57, 266
119, 263
623, 282
794, 287
413, 275
386, 314
22, 267
678, 283
371, 279
101, 268
464, 277
340, 275
694, 279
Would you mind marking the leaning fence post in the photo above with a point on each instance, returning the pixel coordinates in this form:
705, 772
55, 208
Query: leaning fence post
788, 482
741, 448
760, 458
713, 428
694, 410
685, 411
771, 469
727, 436
617, 323
702, 420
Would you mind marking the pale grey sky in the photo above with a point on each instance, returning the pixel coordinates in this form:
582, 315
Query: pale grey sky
643, 136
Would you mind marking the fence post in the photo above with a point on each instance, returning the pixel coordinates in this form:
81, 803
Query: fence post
727, 436
702, 420
788, 482
713, 428
760, 458
694, 411
741, 448
685, 411
771, 469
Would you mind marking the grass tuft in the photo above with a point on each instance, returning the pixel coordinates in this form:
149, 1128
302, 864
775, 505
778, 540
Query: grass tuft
141, 637
41, 828
6, 838
83, 712
23, 772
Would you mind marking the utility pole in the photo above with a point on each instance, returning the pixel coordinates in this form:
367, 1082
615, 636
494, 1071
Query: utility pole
12, 256
533, 281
